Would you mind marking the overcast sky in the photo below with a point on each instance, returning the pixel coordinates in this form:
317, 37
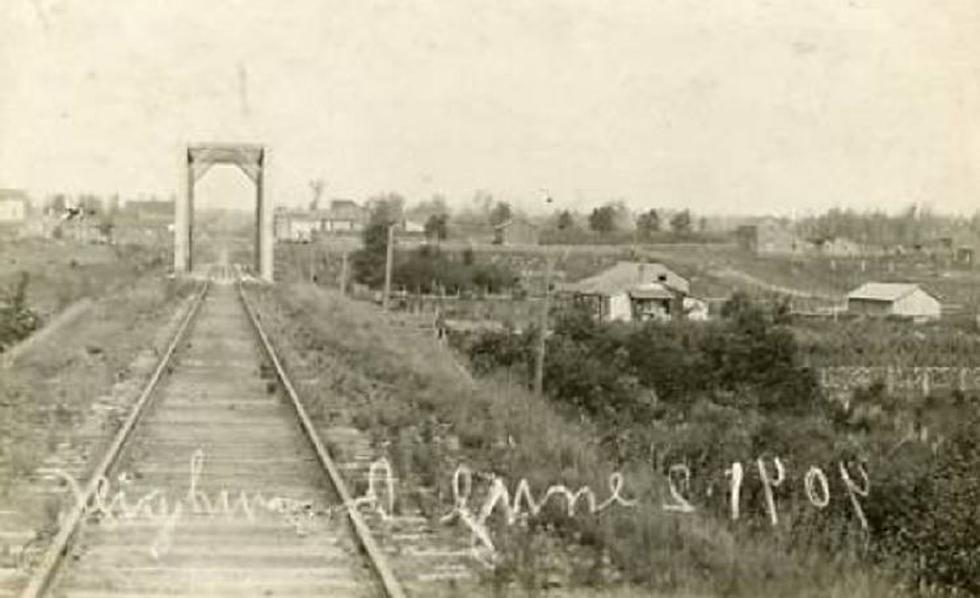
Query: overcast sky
734, 106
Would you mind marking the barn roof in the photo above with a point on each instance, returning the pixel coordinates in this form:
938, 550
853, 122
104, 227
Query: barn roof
882, 291
626, 276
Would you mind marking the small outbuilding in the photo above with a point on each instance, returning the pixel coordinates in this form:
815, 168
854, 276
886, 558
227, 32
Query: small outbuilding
770, 237
893, 299
515, 231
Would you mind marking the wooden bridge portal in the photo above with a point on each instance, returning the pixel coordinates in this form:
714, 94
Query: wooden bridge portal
252, 160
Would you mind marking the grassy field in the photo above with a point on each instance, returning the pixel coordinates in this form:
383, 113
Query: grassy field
414, 399
62, 273
818, 277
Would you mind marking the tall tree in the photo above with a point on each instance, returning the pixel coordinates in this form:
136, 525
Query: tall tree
369, 261
681, 222
603, 219
501, 213
317, 186
436, 227
648, 223
565, 220
425, 209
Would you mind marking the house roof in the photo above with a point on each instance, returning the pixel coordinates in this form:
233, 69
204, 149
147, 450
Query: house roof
653, 290
13, 194
338, 210
627, 276
882, 291
342, 211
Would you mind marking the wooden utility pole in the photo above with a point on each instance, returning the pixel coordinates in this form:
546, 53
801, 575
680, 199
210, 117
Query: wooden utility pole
389, 257
343, 273
312, 261
543, 330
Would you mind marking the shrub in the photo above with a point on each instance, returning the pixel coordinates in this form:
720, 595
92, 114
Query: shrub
926, 509
17, 320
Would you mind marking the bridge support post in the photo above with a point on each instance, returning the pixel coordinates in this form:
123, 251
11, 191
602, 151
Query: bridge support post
182, 216
264, 244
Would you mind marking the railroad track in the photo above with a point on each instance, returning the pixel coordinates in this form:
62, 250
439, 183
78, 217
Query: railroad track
216, 484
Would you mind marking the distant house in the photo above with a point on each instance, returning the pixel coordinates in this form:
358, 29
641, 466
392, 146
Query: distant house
893, 299
412, 228
471, 232
294, 225
836, 247
631, 291
963, 248
14, 206
770, 237
515, 231
342, 217
79, 227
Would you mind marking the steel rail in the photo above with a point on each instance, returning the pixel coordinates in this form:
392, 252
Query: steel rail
362, 533
55, 553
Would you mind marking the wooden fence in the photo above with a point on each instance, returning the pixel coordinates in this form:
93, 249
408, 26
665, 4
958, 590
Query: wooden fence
920, 381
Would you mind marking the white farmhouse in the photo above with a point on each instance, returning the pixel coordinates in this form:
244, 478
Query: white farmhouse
13, 206
632, 291
892, 298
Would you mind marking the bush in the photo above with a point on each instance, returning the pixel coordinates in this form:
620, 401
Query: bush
926, 509
17, 320
492, 350
429, 270
708, 394
746, 360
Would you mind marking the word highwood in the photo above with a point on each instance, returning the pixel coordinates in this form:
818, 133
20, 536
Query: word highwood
110, 505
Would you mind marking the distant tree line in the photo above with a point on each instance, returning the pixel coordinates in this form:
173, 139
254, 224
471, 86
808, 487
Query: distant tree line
611, 222
911, 226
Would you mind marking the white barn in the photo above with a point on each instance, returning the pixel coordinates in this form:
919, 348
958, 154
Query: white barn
891, 298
